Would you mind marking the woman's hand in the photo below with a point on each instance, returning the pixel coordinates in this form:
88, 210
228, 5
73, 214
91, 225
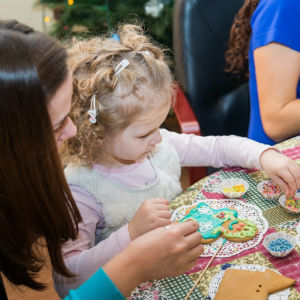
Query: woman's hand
168, 251
151, 214
282, 170
160, 253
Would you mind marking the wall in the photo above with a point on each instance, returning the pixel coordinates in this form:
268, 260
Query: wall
25, 12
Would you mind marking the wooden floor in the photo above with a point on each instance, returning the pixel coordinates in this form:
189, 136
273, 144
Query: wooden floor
17, 293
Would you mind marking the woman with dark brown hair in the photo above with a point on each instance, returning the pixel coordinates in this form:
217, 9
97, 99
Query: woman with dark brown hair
266, 35
35, 200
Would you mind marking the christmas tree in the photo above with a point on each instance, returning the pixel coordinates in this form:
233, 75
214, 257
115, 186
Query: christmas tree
93, 17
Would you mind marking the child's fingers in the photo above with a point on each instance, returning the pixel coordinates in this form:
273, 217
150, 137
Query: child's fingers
295, 184
163, 222
282, 184
291, 181
287, 176
160, 201
161, 207
164, 214
295, 170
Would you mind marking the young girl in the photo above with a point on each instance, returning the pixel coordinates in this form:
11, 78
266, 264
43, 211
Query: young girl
122, 94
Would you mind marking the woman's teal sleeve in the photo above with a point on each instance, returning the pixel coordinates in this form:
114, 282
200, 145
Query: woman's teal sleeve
97, 287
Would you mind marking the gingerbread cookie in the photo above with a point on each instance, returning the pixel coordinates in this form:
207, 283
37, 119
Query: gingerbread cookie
216, 222
248, 285
239, 230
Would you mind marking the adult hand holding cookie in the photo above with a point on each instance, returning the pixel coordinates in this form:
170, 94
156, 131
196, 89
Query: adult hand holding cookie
171, 250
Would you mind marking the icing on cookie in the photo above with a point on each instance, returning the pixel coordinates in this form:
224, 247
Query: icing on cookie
210, 219
241, 229
232, 223
214, 222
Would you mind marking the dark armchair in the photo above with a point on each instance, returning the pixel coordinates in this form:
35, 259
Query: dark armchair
219, 101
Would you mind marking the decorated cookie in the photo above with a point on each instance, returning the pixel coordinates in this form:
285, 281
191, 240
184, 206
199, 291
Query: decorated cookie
239, 230
249, 285
223, 221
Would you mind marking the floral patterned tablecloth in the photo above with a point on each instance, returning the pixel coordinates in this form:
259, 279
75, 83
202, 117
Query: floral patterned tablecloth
279, 220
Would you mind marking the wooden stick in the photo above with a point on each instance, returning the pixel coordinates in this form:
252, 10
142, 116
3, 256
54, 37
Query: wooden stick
202, 273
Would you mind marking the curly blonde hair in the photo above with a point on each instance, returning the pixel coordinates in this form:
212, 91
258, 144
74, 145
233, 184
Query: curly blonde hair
144, 84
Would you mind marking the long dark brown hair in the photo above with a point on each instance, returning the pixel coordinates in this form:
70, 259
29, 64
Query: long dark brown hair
35, 200
237, 54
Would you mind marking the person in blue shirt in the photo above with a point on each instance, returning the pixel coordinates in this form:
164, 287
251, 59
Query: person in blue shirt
36, 204
266, 37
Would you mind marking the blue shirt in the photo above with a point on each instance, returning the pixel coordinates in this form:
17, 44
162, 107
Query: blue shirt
97, 287
272, 21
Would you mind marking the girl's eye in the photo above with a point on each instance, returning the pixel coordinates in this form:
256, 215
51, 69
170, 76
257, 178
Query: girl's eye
62, 125
58, 129
143, 136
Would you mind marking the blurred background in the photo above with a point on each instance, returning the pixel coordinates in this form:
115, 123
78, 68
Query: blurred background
64, 18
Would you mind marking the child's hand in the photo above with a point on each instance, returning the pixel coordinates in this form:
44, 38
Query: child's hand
152, 213
282, 170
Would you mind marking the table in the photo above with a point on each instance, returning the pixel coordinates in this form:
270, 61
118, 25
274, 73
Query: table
278, 218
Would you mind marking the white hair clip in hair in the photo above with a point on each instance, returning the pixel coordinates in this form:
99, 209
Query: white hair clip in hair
121, 66
145, 52
93, 111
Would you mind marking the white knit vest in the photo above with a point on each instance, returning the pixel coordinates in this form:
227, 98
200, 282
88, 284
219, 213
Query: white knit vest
119, 202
